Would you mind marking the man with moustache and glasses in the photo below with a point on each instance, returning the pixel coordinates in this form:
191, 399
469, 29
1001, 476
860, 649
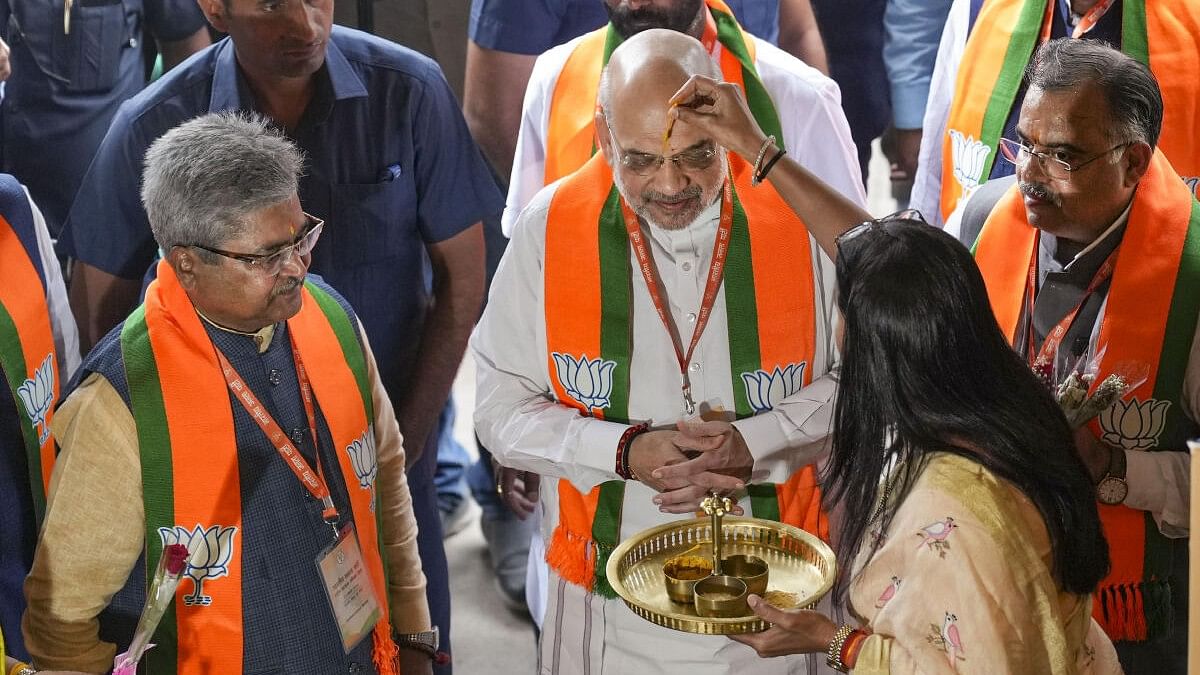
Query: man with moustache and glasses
1090, 254
660, 300
976, 90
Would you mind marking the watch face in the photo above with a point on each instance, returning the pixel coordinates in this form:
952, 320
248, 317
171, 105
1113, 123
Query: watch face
1112, 490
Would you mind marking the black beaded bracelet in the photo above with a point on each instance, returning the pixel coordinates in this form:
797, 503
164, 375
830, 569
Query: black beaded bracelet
623, 447
762, 175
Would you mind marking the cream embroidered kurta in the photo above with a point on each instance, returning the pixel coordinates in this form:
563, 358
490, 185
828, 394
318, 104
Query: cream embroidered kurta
961, 583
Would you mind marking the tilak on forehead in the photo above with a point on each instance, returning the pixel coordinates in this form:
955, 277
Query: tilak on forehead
767, 286
651, 67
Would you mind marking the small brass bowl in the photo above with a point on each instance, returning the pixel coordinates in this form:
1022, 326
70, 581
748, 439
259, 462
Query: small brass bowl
681, 574
721, 596
750, 569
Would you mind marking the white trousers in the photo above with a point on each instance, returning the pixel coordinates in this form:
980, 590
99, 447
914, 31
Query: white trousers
586, 634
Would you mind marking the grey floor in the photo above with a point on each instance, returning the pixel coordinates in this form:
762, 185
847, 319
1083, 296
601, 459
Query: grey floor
488, 637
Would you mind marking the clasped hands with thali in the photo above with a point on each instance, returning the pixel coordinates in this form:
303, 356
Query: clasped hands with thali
699, 575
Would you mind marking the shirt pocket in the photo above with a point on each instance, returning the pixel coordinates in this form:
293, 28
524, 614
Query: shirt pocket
372, 222
89, 57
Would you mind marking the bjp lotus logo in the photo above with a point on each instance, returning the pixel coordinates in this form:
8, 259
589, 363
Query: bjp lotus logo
588, 381
37, 395
1133, 425
362, 458
210, 550
969, 157
766, 389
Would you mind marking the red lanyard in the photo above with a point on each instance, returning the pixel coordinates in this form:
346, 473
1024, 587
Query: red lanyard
1092, 17
1054, 338
709, 37
716, 273
314, 482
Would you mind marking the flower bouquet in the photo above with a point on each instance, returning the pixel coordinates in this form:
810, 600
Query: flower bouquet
171, 566
1071, 384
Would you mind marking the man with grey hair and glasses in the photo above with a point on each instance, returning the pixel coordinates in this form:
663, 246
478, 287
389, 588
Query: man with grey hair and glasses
238, 413
1090, 258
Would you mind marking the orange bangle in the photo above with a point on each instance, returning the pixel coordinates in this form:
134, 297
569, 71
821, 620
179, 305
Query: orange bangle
852, 646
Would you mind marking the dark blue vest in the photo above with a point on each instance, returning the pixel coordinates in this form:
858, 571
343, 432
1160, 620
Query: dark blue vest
288, 624
18, 526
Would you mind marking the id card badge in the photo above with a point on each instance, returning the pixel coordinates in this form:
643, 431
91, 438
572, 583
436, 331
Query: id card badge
349, 588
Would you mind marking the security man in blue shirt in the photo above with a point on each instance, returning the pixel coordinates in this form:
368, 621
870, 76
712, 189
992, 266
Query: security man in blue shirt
73, 63
390, 167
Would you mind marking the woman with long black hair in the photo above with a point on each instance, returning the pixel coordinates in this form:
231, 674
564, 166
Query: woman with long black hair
967, 532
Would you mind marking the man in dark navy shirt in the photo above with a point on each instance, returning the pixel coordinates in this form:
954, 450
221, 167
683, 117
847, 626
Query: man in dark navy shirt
72, 65
390, 166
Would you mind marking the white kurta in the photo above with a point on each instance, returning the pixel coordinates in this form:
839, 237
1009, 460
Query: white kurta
517, 418
809, 104
927, 186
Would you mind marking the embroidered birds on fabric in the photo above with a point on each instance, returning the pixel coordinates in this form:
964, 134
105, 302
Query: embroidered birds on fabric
888, 593
934, 535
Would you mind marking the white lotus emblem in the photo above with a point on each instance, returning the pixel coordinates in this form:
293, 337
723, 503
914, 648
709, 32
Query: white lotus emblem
37, 395
1193, 183
588, 381
969, 157
362, 458
209, 553
1131, 425
766, 389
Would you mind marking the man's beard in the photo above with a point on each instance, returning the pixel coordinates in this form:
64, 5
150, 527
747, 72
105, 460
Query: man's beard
640, 203
629, 22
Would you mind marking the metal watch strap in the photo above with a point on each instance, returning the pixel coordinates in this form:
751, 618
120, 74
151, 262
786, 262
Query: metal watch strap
426, 641
833, 653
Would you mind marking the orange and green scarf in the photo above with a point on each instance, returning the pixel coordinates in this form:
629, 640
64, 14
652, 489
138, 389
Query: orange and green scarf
185, 428
1163, 34
768, 287
1150, 317
28, 359
570, 138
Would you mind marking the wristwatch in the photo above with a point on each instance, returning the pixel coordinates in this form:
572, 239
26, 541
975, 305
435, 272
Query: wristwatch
426, 641
1112, 488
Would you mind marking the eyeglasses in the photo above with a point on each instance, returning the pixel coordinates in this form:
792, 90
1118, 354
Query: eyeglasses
904, 214
269, 264
1055, 164
644, 164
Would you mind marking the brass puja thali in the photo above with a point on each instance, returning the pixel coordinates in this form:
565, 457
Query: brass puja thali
801, 571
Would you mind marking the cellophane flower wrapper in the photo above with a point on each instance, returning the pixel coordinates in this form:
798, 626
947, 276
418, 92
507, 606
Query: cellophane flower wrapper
1070, 382
171, 567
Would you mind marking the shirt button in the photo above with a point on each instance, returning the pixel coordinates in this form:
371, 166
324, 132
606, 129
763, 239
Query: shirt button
297, 435
133, 42
274, 377
687, 266
691, 317
696, 367
355, 667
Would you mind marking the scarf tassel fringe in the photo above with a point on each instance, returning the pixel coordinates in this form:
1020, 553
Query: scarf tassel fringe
1136, 612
